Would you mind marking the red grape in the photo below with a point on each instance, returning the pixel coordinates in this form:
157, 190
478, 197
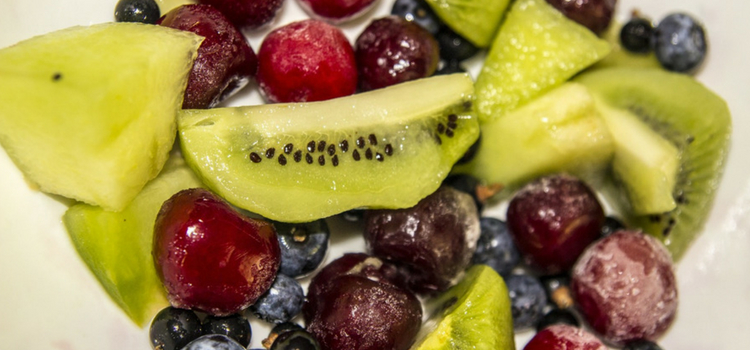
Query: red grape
593, 14
625, 287
225, 61
552, 220
564, 337
336, 11
307, 60
209, 256
247, 14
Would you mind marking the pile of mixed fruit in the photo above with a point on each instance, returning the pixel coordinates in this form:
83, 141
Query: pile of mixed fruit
196, 235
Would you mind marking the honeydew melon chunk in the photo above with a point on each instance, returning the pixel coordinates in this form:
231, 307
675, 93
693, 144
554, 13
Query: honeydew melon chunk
220, 145
645, 163
536, 49
89, 112
475, 20
116, 246
560, 131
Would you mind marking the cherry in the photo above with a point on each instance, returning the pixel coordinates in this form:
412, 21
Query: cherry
307, 60
552, 220
209, 256
564, 337
625, 287
225, 61
247, 14
336, 11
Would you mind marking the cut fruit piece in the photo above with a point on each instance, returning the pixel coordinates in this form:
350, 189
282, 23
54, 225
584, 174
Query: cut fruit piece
116, 246
695, 120
386, 148
474, 314
89, 112
561, 131
477, 21
644, 162
620, 57
536, 49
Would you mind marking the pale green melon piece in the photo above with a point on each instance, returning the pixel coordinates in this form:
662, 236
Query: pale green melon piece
475, 20
116, 246
620, 57
646, 163
560, 131
89, 112
406, 137
536, 49
474, 314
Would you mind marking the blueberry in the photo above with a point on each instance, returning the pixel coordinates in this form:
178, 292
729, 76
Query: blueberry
680, 43
281, 302
235, 326
557, 316
303, 246
611, 225
527, 300
214, 342
467, 184
295, 340
641, 345
637, 35
417, 11
495, 247
454, 47
143, 11
173, 328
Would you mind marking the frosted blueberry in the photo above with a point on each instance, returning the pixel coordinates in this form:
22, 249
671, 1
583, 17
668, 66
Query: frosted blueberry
680, 43
282, 302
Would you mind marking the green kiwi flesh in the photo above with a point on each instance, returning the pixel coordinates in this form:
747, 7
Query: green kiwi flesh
474, 314
560, 131
116, 246
690, 116
386, 148
476, 20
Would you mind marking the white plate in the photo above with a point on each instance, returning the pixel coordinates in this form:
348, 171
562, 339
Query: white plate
50, 300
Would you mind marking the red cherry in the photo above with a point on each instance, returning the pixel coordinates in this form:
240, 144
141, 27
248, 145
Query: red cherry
564, 337
210, 257
336, 11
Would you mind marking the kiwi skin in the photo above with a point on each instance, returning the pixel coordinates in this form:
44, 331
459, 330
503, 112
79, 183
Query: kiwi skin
690, 116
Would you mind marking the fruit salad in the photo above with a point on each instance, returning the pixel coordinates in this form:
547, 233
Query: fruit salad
663, 136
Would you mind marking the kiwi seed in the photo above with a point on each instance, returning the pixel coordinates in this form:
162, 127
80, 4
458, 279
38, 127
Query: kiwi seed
388, 149
255, 158
344, 145
288, 148
361, 142
311, 146
308, 158
270, 152
321, 146
355, 155
282, 159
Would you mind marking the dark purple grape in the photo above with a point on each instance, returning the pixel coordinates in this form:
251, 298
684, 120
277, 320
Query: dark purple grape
392, 50
680, 43
247, 14
214, 342
495, 247
557, 316
592, 14
454, 47
173, 328
527, 299
234, 326
642, 344
303, 246
637, 35
359, 313
282, 302
140, 11
298, 339
419, 12
432, 242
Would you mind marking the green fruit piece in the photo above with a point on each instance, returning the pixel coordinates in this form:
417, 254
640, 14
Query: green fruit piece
474, 314
690, 116
89, 112
116, 246
536, 49
620, 57
299, 162
561, 131
477, 21
644, 162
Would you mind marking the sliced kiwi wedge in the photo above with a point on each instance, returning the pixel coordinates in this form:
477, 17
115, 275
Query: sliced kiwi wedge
474, 314
116, 246
386, 148
476, 20
693, 119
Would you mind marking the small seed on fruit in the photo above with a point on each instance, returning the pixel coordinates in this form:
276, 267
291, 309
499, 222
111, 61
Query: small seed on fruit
452, 125
331, 149
438, 140
368, 154
355, 155
449, 132
344, 145
440, 128
308, 158
311, 146
298, 156
288, 148
255, 158
453, 118
321, 146
335, 160
361, 142
372, 139
57, 76
270, 152
282, 159
388, 149
379, 157
322, 160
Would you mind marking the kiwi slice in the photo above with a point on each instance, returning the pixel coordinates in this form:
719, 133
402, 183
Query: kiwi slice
536, 49
116, 246
691, 117
477, 21
474, 314
386, 148
89, 112
560, 131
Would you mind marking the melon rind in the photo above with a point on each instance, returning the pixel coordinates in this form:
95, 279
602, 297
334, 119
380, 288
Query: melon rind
88, 112
218, 143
